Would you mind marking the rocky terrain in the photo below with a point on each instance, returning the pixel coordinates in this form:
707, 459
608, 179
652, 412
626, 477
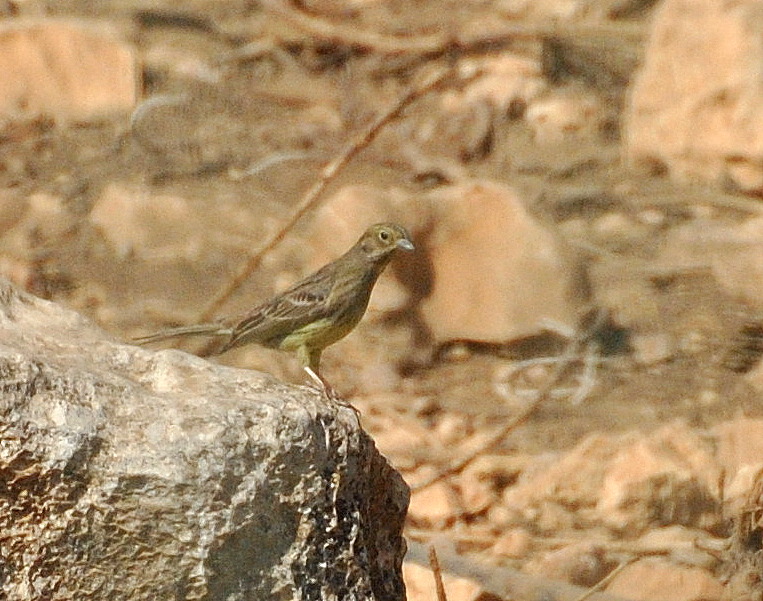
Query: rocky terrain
566, 372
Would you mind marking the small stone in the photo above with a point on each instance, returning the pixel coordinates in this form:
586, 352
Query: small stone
452, 428
652, 348
477, 494
583, 564
433, 506
514, 544
563, 114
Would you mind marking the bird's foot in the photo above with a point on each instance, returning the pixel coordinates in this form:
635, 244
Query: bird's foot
329, 391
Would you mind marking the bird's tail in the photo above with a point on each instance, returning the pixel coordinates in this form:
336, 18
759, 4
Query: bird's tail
202, 329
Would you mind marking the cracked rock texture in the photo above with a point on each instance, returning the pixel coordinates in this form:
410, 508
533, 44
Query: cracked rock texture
129, 474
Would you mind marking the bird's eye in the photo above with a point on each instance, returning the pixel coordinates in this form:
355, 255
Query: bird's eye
384, 235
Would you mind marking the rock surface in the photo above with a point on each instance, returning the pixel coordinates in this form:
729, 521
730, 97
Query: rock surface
64, 70
651, 578
697, 103
719, 247
126, 474
625, 482
482, 261
498, 273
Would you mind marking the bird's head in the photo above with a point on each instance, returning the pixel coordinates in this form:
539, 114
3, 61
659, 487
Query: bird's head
381, 240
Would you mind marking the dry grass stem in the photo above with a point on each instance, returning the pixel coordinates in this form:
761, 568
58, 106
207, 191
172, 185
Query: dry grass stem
437, 573
606, 580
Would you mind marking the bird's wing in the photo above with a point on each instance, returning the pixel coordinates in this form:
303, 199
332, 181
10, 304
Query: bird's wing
303, 303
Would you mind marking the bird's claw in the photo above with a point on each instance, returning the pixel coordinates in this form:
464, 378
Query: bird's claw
328, 391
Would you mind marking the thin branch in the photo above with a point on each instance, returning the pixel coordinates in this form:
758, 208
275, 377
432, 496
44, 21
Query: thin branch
328, 174
569, 358
439, 43
505, 582
437, 573
606, 580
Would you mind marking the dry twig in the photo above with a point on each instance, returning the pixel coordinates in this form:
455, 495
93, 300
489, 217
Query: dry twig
439, 43
437, 573
328, 174
566, 362
504, 582
606, 580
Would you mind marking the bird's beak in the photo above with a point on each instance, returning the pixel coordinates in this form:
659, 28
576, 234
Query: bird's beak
405, 244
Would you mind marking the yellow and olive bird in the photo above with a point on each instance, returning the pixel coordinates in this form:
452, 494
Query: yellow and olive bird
315, 312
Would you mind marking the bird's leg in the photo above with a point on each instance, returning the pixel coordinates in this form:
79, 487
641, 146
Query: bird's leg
319, 381
311, 362
322, 384
311, 359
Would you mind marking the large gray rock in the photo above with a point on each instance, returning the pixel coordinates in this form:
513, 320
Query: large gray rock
128, 474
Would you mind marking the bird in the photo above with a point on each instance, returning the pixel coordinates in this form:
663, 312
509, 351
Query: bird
313, 313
